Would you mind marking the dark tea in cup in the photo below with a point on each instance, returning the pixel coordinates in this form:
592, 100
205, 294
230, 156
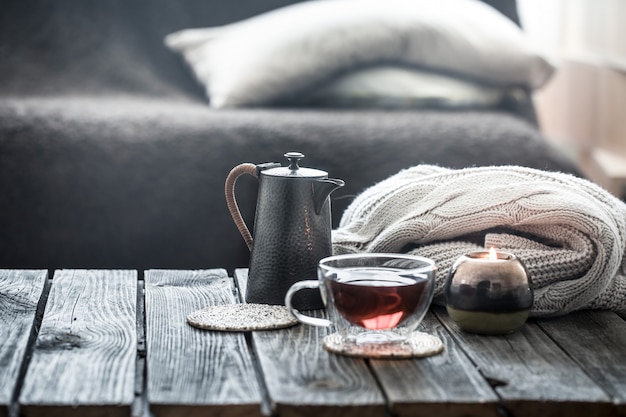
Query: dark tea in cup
377, 299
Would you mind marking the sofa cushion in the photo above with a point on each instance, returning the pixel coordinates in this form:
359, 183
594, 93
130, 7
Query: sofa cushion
392, 87
276, 56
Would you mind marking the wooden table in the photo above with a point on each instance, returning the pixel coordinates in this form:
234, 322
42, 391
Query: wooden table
94, 342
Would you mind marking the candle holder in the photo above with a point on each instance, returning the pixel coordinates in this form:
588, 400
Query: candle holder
488, 292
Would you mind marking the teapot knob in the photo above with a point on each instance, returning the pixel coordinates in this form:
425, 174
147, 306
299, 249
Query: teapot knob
294, 157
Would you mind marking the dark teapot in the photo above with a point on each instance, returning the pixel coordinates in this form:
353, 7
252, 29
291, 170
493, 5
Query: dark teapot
292, 228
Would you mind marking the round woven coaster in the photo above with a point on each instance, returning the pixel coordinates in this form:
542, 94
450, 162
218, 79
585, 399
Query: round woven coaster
417, 345
242, 317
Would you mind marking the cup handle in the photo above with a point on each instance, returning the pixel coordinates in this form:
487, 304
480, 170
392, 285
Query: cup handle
303, 318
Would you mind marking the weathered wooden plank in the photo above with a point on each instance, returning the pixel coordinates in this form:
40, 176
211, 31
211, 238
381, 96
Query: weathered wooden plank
191, 371
302, 379
20, 292
597, 342
241, 279
531, 374
444, 385
84, 357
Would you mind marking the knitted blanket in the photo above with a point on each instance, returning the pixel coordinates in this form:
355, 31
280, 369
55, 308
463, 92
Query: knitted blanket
570, 233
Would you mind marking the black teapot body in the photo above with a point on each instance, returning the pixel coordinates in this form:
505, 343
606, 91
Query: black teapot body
292, 229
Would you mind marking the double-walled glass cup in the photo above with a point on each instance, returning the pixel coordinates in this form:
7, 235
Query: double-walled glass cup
371, 297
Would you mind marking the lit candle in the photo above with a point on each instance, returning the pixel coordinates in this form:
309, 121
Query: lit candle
488, 292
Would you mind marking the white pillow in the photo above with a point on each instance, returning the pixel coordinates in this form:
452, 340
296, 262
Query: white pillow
274, 56
387, 86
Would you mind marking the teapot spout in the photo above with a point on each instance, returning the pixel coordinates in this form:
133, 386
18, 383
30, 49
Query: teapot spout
322, 188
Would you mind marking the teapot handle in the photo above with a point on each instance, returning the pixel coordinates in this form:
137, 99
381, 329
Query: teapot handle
231, 201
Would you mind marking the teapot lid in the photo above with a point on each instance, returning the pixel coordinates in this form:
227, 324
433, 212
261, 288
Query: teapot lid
293, 170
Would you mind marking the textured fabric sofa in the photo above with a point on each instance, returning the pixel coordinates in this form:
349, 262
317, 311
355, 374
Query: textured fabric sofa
111, 158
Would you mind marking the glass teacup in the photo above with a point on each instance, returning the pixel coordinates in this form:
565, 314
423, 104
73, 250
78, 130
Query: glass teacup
371, 297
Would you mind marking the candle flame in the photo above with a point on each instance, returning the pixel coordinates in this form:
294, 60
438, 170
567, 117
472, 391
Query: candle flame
493, 256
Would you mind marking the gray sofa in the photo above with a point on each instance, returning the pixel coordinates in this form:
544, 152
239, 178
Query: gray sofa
111, 158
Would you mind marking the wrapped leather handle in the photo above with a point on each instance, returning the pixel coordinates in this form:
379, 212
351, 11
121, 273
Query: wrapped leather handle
231, 201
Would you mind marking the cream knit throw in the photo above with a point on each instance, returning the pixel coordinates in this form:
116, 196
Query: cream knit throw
570, 233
